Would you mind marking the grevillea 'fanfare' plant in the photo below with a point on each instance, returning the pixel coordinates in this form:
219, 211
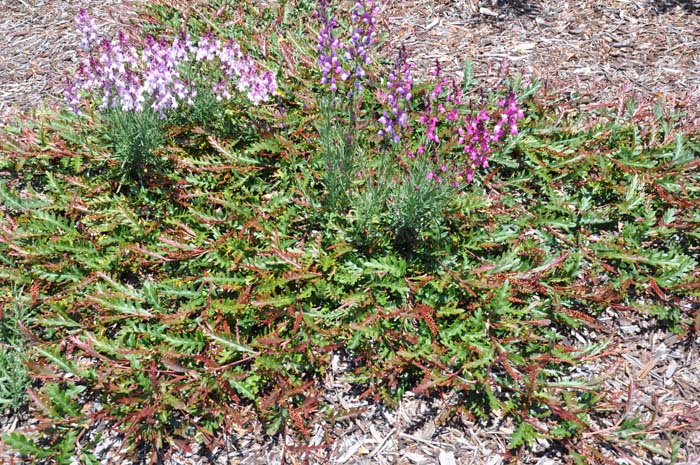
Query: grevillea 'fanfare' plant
128, 79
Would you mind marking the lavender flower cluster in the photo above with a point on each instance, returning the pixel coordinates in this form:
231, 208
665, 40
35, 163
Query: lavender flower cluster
327, 47
240, 68
398, 89
340, 58
129, 79
364, 20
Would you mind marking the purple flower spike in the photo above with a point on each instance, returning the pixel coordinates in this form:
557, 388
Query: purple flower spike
364, 18
399, 86
328, 46
72, 96
341, 58
511, 113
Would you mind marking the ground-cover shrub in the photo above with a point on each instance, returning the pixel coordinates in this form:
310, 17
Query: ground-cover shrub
232, 278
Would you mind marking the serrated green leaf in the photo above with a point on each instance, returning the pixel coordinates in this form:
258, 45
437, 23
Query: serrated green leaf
229, 344
523, 435
22, 444
64, 364
66, 448
186, 343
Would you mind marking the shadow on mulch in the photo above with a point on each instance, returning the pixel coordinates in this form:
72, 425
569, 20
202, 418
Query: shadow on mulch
531, 8
527, 8
666, 6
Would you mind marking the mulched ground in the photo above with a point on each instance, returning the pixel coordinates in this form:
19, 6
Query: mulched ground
596, 53
644, 47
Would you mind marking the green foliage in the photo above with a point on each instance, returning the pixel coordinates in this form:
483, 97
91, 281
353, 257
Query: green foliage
340, 157
59, 441
230, 279
14, 380
418, 209
25, 446
524, 434
133, 138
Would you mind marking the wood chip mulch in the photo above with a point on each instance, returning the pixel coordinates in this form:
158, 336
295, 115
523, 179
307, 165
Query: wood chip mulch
593, 51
